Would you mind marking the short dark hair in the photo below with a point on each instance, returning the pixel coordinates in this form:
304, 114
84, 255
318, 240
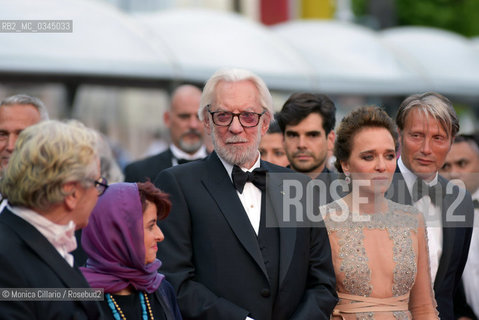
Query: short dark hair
274, 126
300, 105
351, 124
472, 139
149, 192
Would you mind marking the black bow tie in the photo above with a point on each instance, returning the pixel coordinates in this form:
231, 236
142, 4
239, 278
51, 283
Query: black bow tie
421, 189
182, 161
257, 177
475, 202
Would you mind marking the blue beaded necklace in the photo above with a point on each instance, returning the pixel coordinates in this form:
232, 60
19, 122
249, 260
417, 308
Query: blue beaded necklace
118, 313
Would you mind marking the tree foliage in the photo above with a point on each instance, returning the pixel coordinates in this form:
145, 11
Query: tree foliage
461, 16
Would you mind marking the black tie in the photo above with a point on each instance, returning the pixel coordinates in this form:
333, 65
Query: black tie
257, 177
182, 161
475, 202
421, 189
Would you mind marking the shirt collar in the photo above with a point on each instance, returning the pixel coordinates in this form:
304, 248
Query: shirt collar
180, 154
475, 195
411, 178
62, 237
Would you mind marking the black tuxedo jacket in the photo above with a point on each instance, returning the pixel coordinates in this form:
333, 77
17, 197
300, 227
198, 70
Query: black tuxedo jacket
456, 202
461, 307
140, 170
28, 260
212, 257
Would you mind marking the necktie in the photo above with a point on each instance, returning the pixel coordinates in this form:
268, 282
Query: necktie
257, 177
421, 189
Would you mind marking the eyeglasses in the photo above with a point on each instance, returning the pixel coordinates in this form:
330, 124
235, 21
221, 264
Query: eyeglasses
225, 118
101, 185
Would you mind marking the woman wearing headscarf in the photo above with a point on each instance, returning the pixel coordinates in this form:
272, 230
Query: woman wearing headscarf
121, 243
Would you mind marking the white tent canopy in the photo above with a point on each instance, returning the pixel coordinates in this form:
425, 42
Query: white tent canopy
191, 44
104, 42
449, 60
475, 43
202, 41
348, 58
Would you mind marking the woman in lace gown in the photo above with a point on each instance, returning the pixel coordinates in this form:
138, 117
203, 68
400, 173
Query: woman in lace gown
379, 247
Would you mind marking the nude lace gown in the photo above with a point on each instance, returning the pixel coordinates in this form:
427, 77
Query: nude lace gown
384, 257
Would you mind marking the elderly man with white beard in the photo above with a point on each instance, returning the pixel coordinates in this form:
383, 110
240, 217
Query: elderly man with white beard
219, 253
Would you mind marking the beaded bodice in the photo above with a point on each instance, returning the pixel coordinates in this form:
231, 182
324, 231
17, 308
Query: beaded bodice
374, 255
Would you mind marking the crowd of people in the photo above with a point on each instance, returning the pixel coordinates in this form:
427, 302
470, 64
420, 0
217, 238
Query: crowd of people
242, 217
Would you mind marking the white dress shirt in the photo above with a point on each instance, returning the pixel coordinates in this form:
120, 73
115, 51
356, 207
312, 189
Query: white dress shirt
180, 154
62, 237
470, 277
3, 204
432, 217
251, 196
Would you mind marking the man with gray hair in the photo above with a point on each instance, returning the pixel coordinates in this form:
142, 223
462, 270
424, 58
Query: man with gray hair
427, 125
221, 255
17, 113
52, 184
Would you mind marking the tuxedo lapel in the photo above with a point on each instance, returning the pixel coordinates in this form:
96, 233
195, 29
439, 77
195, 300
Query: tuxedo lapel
287, 235
398, 191
169, 158
223, 192
448, 243
448, 236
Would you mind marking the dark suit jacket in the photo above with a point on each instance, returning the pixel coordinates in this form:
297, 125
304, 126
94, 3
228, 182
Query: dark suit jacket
456, 238
461, 307
212, 257
28, 260
140, 170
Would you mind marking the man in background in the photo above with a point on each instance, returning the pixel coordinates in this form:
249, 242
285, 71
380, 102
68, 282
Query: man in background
307, 121
271, 146
186, 133
462, 163
427, 126
17, 113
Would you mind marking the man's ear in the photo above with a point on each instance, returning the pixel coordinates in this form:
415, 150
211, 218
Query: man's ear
206, 122
265, 123
72, 195
166, 118
331, 137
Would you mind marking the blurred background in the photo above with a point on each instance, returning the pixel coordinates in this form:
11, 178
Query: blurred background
116, 69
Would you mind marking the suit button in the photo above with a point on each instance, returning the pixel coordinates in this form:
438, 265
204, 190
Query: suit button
265, 293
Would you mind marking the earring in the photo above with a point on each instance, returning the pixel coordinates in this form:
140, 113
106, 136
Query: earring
347, 178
